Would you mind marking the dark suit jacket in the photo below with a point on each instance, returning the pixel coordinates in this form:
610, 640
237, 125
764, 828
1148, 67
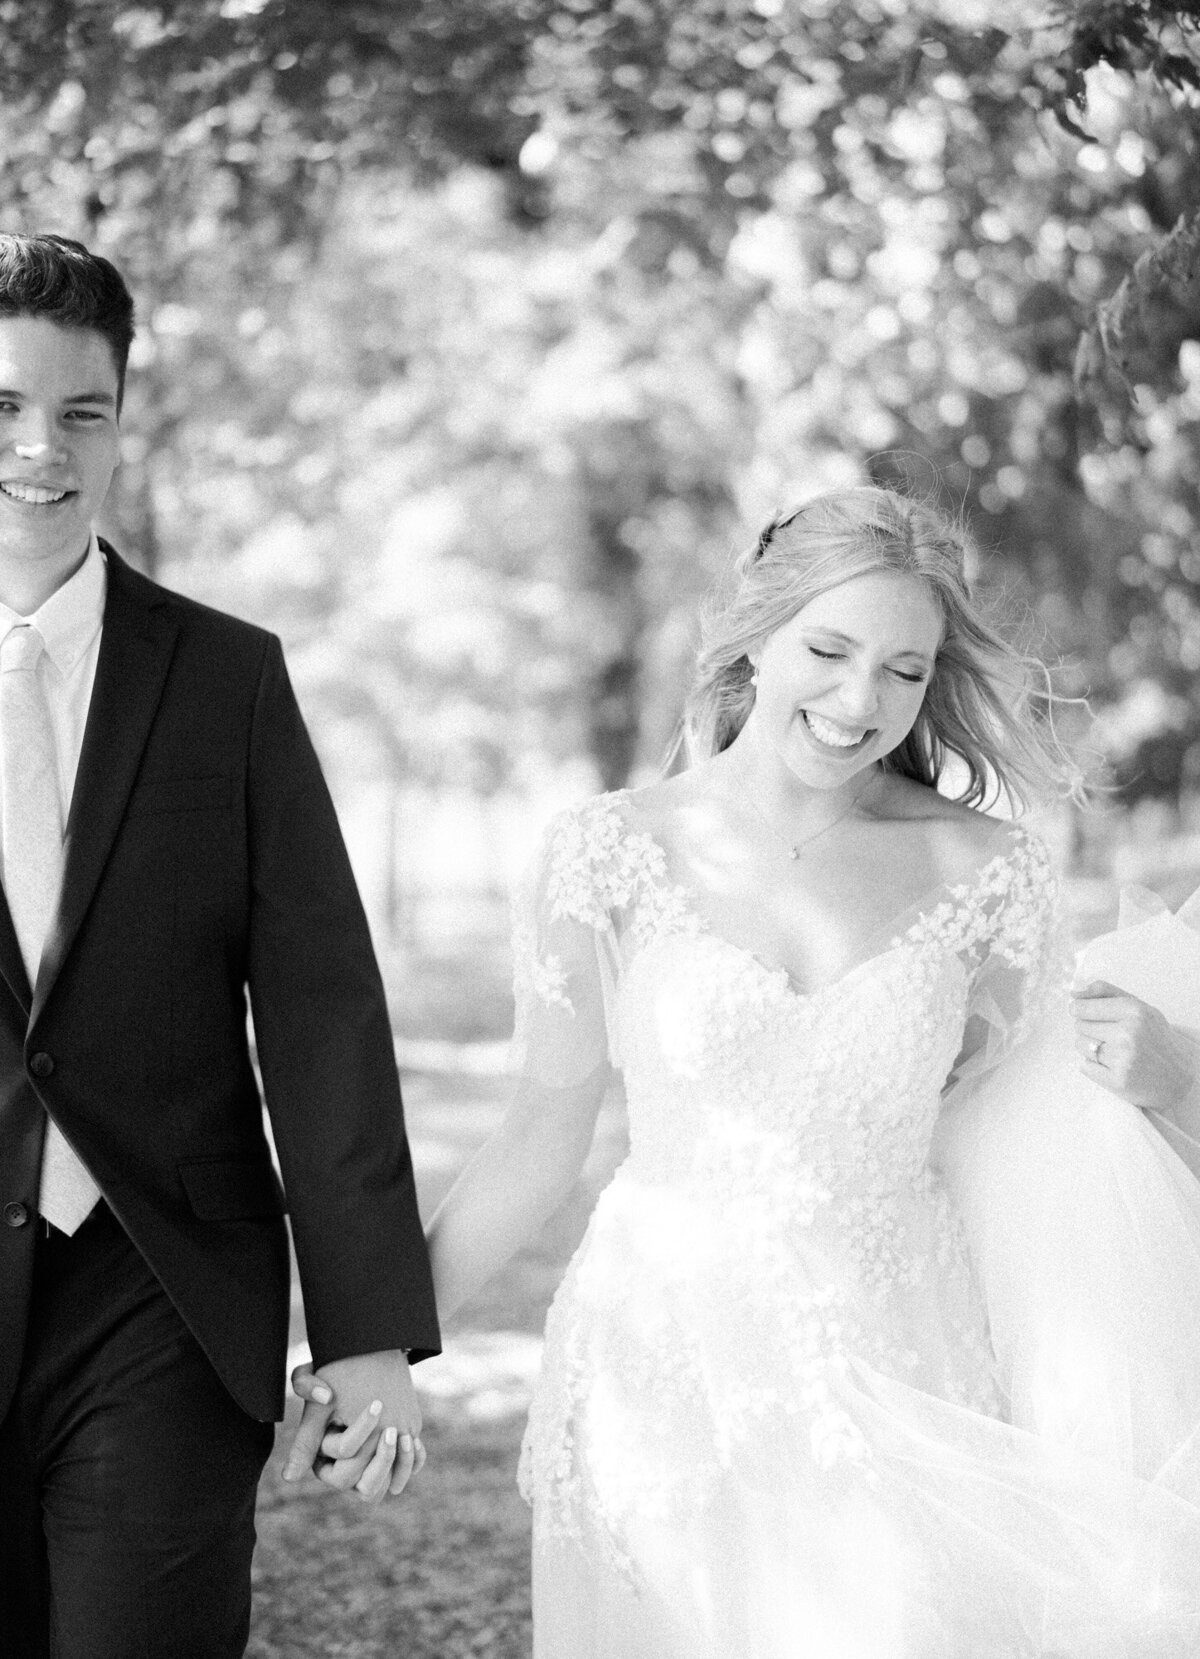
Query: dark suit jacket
203, 859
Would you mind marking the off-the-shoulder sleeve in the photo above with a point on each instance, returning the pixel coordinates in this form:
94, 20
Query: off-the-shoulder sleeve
1015, 942
565, 953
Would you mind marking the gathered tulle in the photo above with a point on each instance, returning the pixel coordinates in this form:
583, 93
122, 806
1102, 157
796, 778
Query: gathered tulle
1083, 1218
836, 1373
701, 1495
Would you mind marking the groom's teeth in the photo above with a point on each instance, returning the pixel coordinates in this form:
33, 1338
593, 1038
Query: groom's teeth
34, 494
836, 736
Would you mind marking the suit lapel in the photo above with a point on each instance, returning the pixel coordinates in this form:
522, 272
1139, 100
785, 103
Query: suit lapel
12, 966
135, 653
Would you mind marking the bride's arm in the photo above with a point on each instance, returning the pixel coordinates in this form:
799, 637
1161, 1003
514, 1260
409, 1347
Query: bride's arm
508, 1190
1128, 1047
512, 1185
566, 965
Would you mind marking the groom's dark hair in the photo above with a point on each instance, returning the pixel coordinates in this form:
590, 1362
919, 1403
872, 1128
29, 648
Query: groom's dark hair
63, 282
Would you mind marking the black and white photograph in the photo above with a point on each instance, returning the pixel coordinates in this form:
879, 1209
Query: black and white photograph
599, 829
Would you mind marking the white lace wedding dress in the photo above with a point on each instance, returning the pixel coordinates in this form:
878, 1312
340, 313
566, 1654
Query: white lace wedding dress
769, 1421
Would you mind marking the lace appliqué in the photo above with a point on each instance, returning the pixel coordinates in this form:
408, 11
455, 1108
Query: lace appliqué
599, 863
1004, 917
594, 863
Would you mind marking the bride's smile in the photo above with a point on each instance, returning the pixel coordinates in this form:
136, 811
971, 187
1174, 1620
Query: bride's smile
837, 688
832, 736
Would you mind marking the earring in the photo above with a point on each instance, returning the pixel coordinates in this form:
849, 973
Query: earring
754, 678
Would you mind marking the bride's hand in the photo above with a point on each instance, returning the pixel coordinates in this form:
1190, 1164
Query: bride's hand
356, 1456
1130, 1049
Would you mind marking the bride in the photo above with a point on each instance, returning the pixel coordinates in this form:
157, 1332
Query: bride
774, 1418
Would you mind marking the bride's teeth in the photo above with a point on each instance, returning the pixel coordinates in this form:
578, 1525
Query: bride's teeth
34, 494
826, 732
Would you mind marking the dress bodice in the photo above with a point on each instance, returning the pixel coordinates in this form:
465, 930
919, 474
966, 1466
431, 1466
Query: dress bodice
735, 1079
733, 1075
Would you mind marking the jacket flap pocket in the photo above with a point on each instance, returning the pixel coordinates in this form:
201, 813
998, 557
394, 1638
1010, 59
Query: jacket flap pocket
232, 1189
180, 795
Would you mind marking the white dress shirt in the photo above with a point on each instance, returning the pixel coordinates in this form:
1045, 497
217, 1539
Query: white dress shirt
70, 622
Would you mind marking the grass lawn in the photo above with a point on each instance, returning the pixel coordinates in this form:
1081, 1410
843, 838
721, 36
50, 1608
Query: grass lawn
442, 1572
438, 1573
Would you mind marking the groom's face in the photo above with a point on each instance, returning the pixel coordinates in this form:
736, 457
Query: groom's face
58, 441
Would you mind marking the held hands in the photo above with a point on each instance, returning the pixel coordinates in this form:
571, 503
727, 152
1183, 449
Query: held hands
1130, 1049
360, 1427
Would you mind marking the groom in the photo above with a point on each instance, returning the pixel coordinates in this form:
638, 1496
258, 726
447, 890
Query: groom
168, 849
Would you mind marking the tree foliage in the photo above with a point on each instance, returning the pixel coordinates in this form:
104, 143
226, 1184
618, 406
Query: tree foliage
472, 329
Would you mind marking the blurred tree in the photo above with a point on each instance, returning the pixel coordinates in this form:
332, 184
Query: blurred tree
542, 297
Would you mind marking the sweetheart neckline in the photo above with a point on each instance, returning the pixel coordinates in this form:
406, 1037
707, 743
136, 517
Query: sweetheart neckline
777, 971
919, 910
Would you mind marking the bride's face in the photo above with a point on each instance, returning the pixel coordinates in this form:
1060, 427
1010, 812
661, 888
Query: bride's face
840, 685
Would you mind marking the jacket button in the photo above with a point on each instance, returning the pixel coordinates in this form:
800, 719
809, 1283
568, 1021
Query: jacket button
16, 1215
41, 1065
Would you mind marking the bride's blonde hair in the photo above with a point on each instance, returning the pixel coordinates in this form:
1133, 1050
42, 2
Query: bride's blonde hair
989, 702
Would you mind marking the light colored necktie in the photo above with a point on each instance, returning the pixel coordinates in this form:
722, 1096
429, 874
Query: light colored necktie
33, 855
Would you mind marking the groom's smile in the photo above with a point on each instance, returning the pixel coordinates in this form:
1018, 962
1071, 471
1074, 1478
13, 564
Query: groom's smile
59, 442
33, 495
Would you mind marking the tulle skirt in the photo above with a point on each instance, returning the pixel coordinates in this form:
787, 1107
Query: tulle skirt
1062, 1521
957, 1536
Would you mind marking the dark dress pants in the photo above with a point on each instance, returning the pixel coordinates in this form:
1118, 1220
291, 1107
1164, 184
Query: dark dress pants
127, 1471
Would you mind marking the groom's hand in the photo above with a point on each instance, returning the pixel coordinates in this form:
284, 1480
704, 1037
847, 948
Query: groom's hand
360, 1427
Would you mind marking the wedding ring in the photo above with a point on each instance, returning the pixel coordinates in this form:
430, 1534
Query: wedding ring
1095, 1050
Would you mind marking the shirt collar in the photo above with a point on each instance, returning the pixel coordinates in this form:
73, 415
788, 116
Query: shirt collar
70, 619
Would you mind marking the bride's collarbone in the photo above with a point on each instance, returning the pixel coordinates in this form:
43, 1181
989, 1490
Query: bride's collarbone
821, 913
852, 870
811, 923
816, 914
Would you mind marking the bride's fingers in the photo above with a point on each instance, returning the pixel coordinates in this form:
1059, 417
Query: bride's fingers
1097, 1042
1101, 1010
372, 1484
405, 1463
1088, 1032
349, 1441
1103, 1029
1097, 988
344, 1473
1105, 1057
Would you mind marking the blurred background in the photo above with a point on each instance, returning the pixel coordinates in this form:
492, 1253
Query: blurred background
476, 334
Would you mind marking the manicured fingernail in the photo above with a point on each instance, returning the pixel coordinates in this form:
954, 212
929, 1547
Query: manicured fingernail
406, 1442
389, 1436
322, 1394
375, 1407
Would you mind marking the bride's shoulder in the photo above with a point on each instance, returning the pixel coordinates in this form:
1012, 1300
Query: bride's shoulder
584, 835
653, 806
595, 854
962, 840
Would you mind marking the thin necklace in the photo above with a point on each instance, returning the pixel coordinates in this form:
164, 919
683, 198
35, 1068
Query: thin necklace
793, 847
